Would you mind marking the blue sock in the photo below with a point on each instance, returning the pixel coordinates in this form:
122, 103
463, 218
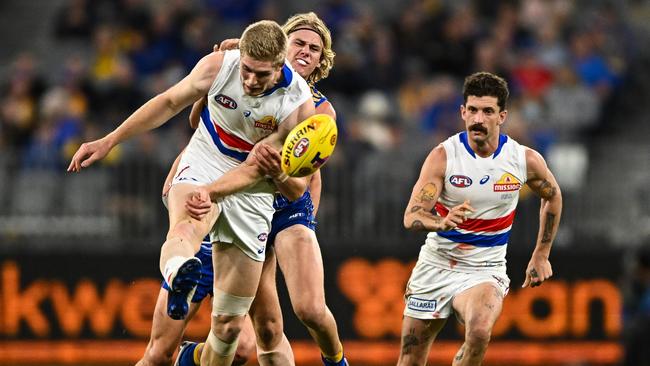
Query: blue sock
186, 354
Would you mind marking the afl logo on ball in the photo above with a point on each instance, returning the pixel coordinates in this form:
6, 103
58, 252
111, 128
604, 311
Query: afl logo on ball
225, 101
460, 181
301, 147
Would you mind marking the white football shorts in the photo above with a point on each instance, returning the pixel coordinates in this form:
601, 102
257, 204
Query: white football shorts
431, 289
245, 218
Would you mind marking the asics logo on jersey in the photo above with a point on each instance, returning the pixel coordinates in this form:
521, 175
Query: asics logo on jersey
261, 250
225, 101
484, 179
247, 114
460, 181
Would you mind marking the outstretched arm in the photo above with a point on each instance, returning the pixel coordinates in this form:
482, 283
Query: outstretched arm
542, 182
419, 211
154, 113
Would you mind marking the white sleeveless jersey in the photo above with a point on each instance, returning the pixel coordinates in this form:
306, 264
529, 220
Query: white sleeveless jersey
234, 121
492, 186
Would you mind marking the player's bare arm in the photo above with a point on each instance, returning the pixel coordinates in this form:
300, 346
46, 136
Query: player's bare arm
543, 183
315, 189
155, 112
419, 211
195, 113
315, 184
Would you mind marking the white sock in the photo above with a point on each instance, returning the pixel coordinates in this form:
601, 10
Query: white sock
171, 267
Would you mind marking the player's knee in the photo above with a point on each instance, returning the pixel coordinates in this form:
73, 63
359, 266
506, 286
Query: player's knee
269, 332
228, 314
227, 327
158, 355
311, 312
478, 336
245, 349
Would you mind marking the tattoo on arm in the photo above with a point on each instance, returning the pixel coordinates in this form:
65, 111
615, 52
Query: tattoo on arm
460, 354
417, 225
546, 189
548, 228
427, 193
408, 341
416, 209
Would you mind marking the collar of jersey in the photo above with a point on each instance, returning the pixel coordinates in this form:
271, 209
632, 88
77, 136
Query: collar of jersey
463, 138
285, 80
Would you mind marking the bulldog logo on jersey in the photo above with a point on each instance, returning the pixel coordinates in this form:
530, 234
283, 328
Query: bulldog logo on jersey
507, 183
267, 123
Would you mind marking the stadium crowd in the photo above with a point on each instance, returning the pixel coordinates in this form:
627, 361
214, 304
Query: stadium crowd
396, 81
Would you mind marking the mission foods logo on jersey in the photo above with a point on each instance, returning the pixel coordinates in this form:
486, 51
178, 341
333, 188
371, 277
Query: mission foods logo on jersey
507, 183
267, 123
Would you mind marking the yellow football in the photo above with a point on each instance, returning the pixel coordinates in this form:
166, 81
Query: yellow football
309, 145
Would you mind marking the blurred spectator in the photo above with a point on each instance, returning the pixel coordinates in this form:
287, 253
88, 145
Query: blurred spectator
59, 126
591, 66
441, 114
572, 107
75, 20
529, 76
452, 50
18, 110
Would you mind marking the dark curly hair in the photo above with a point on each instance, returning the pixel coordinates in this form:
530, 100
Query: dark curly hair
481, 84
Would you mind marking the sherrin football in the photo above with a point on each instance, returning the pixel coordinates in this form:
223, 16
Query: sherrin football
309, 145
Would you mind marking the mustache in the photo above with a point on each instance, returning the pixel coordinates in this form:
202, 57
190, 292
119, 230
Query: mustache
478, 128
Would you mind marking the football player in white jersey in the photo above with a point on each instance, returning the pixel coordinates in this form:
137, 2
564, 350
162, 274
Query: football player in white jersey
466, 198
204, 197
292, 237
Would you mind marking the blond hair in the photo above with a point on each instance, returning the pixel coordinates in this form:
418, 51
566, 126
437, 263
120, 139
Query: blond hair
313, 22
264, 41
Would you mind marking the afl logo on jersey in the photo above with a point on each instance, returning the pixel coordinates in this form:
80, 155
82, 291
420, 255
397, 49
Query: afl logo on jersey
460, 181
225, 101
